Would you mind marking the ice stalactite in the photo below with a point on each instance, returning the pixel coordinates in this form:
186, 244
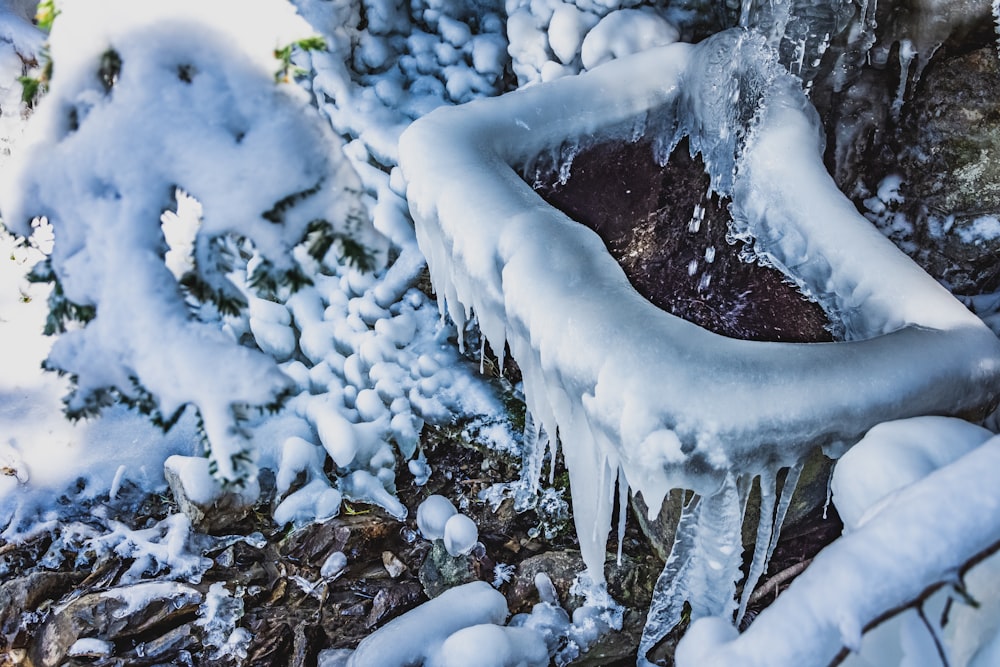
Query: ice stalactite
768, 529
703, 567
633, 392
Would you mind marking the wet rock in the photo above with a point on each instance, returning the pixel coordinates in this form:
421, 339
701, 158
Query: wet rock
561, 567
29, 593
671, 241
201, 497
441, 571
630, 583
951, 169
661, 528
394, 600
123, 612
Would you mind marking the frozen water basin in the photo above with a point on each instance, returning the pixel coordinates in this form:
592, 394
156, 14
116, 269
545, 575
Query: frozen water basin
637, 393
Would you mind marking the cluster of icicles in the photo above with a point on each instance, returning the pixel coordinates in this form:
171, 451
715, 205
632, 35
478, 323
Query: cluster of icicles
646, 401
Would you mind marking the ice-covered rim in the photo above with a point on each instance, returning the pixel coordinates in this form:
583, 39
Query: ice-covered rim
633, 390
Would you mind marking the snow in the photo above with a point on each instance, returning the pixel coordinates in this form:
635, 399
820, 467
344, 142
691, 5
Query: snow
488, 645
375, 361
417, 636
624, 32
225, 126
91, 648
432, 516
46, 453
334, 565
895, 454
460, 535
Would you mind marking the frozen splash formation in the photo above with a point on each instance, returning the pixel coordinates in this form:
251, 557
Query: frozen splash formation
919, 505
637, 397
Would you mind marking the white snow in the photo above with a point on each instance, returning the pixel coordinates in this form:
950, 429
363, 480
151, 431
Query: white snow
895, 454
90, 647
215, 131
489, 645
433, 515
624, 32
376, 363
417, 635
460, 535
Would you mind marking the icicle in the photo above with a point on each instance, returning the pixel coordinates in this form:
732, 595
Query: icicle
622, 510
787, 492
761, 549
829, 495
602, 486
703, 566
745, 7
533, 444
906, 54
482, 355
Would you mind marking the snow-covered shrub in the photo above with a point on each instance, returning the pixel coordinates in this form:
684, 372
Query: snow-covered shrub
150, 104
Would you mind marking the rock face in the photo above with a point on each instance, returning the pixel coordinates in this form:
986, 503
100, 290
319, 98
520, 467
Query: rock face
671, 240
950, 165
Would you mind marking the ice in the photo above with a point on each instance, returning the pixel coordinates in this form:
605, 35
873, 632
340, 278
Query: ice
433, 515
460, 534
333, 566
420, 470
626, 374
703, 566
934, 526
218, 616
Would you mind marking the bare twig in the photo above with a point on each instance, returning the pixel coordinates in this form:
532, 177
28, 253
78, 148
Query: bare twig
770, 587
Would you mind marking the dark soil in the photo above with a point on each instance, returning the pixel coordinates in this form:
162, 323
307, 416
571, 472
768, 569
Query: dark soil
644, 213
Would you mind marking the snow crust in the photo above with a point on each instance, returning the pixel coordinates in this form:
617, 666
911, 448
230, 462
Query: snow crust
635, 394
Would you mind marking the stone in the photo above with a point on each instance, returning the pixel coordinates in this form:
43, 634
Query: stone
671, 241
392, 564
950, 163
630, 583
122, 612
27, 593
201, 497
441, 571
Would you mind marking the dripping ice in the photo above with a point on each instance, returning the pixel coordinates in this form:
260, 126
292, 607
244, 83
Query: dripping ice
630, 390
